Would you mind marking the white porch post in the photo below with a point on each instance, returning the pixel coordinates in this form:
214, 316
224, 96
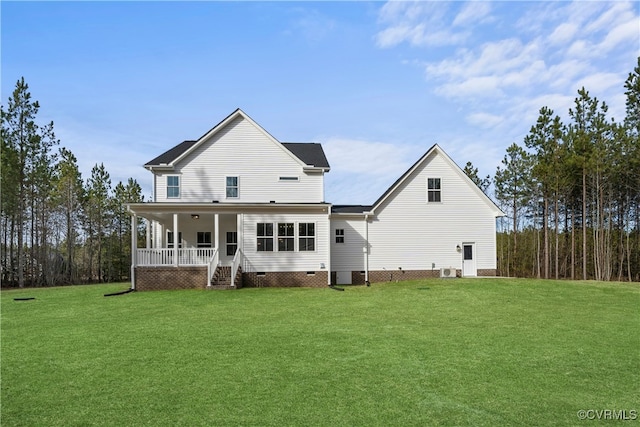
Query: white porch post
239, 231
216, 231
148, 234
176, 243
134, 249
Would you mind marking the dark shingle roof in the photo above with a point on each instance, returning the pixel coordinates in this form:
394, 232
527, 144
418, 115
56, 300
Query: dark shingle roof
350, 208
172, 154
310, 153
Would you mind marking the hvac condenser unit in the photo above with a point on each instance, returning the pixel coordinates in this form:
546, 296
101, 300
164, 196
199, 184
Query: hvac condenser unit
448, 272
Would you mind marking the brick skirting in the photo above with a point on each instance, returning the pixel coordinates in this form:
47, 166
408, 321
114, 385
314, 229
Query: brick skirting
164, 278
285, 279
357, 278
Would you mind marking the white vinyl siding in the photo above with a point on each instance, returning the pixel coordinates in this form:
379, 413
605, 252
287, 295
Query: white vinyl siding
413, 235
243, 150
349, 255
295, 260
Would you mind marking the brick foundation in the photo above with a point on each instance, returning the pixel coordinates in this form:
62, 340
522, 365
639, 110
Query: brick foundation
285, 279
488, 272
164, 278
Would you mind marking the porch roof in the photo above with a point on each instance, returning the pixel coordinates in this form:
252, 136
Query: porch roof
163, 211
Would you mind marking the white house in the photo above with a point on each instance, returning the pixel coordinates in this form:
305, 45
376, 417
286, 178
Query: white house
236, 207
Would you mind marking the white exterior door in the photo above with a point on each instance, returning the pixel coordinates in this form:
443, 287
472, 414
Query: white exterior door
469, 260
343, 278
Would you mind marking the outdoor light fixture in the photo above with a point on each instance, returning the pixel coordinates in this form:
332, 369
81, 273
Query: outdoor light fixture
195, 216
458, 248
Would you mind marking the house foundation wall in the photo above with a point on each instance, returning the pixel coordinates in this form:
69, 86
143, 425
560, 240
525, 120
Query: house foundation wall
400, 275
285, 279
165, 278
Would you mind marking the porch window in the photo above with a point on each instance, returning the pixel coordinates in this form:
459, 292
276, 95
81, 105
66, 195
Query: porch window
265, 237
173, 187
232, 187
339, 235
433, 190
306, 236
285, 236
232, 243
204, 239
170, 239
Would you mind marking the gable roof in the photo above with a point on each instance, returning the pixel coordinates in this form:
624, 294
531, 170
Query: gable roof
309, 155
436, 149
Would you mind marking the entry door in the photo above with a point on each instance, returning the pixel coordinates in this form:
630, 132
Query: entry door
469, 260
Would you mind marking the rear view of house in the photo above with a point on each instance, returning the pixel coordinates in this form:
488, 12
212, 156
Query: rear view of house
236, 207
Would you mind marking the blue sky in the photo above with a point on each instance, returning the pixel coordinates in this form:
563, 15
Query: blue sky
376, 83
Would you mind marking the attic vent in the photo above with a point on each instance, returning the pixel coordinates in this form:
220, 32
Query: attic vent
448, 272
289, 178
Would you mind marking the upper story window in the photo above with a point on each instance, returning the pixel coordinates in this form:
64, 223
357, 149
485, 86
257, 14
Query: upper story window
434, 190
339, 235
232, 187
173, 187
306, 236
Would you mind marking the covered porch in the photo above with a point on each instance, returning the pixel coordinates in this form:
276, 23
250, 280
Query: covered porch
196, 243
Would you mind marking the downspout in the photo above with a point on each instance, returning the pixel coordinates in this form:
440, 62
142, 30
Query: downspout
366, 249
134, 249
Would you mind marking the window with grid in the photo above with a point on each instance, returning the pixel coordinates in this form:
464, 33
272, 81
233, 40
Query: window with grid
232, 243
285, 236
433, 190
306, 236
170, 239
339, 235
265, 237
173, 187
204, 239
232, 187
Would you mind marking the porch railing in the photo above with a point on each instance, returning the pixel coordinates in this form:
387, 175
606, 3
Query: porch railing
165, 256
238, 260
211, 266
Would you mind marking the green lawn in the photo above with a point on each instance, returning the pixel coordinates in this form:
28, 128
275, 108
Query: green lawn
483, 352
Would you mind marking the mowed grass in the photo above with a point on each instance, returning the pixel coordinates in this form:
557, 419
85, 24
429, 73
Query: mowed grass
483, 352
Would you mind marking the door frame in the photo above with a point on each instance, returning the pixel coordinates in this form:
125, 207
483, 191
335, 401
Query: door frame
469, 264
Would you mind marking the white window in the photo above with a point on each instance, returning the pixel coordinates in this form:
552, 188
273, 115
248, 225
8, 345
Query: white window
306, 236
265, 237
173, 187
170, 239
285, 236
232, 243
434, 190
233, 190
204, 239
339, 235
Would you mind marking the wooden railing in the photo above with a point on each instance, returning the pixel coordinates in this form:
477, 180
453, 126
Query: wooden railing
165, 256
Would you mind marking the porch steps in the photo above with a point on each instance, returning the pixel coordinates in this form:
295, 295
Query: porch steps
221, 279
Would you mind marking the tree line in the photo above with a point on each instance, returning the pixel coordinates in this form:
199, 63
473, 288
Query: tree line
57, 228
571, 193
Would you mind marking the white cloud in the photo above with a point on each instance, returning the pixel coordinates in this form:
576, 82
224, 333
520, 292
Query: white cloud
418, 23
362, 170
485, 120
563, 33
473, 12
